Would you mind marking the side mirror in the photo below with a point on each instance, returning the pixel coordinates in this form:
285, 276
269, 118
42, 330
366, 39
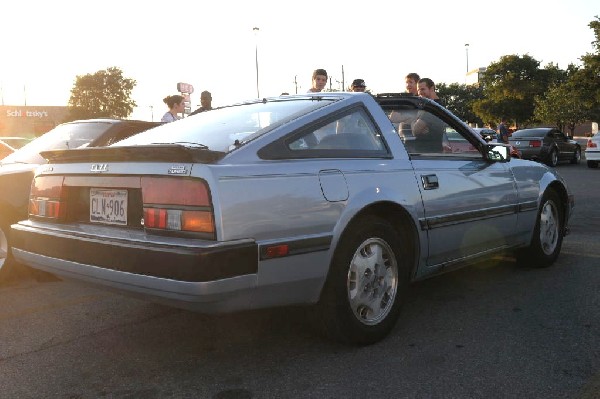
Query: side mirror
497, 152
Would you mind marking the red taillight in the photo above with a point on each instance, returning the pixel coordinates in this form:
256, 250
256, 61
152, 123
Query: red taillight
177, 204
591, 144
46, 198
535, 143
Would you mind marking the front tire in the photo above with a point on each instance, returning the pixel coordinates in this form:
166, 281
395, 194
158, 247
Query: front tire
547, 235
367, 281
576, 156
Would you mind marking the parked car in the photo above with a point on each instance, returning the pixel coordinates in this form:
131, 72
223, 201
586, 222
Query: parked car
309, 199
491, 136
17, 169
592, 151
548, 145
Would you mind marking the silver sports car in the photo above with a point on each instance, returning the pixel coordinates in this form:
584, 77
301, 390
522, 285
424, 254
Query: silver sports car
336, 200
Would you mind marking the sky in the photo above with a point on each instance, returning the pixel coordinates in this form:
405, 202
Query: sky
213, 45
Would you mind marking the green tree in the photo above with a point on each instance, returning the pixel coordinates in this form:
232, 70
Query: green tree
510, 86
459, 99
104, 94
586, 80
559, 107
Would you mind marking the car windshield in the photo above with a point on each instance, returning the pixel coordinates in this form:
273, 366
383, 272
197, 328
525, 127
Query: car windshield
529, 133
223, 129
65, 136
15, 142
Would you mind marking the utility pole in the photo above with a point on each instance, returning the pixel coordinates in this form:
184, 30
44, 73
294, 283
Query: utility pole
296, 82
255, 29
467, 50
343, 79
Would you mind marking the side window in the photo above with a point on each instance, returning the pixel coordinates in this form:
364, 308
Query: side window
429, 134
351, 132
403, 121
456, 143
424, 133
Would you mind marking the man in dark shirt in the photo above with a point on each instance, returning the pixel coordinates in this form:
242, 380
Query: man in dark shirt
205, 102
426, 89
502, 131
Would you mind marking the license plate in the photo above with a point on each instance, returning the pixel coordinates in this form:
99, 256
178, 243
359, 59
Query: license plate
108, 206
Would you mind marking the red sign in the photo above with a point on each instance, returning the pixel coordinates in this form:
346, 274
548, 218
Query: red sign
185, 88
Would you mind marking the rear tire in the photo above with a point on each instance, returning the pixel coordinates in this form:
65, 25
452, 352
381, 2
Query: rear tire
367, 282
592, 164
10, 269
553, 158
8, 266
547, 235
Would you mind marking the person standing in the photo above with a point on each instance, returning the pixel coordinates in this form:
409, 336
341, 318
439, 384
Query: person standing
502, 131
205, 102
426, 89
319, 80
358, 86
411, 80
176, 106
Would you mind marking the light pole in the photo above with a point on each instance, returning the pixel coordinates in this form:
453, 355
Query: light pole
467, 50
255, 29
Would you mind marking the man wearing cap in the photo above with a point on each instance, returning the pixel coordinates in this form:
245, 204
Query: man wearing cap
205, 102
358, 85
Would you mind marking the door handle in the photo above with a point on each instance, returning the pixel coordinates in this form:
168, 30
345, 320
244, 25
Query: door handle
430, 182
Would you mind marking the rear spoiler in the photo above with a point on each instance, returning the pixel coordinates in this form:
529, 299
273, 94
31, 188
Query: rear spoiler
151, 152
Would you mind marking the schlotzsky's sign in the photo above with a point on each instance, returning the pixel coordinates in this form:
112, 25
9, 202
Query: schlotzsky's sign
16, 120
20, 113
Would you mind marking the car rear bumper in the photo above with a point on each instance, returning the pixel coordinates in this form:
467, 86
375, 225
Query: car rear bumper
592, 155
209, 276
533, 153
162, 257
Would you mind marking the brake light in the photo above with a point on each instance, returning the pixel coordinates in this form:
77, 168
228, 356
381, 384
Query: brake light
177, 204
46, 197
591, 144
535, 143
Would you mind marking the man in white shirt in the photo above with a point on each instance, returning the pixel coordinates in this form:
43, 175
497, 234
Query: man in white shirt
319, 80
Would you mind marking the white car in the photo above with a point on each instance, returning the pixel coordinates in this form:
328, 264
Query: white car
592, 151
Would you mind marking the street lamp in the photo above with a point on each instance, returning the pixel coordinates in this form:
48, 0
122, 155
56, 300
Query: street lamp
467, 50
255, 29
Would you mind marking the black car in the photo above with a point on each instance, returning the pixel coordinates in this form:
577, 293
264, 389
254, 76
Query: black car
546, 144
17, 169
